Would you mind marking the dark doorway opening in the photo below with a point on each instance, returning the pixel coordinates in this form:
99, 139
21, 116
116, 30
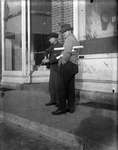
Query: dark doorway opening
40, 44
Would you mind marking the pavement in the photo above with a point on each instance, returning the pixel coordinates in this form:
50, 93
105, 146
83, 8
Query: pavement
91, 123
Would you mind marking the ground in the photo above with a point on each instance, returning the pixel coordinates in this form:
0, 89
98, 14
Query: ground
92, 122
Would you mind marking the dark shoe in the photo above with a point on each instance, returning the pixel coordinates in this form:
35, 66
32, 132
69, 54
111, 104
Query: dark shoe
59, 112
50, 103
71, 110
57, 105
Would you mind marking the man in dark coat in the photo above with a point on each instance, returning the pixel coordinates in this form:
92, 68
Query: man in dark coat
52, 63
68, 69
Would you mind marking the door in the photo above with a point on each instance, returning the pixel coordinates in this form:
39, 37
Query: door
25, 30
39, 27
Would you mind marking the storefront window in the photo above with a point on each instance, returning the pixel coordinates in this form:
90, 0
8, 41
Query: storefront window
100, 27
101, 19
13, 44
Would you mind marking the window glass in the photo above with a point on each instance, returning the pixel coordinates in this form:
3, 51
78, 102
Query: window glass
13, 44
101, 18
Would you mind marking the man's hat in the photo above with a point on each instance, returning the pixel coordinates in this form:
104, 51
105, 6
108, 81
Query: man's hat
53, 35
65, 27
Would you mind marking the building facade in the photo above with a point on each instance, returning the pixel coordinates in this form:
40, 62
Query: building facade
24, 34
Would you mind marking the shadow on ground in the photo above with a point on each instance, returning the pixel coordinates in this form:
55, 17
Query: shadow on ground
3, 90
97, 132
101, 105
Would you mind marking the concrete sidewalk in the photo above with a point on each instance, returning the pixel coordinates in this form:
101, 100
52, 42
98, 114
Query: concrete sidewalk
95, 126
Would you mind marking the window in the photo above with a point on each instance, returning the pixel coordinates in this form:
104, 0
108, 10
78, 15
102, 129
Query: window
13, 44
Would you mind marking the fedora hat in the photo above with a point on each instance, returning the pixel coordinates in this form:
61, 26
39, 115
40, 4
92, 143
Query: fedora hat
66, 27
53, 35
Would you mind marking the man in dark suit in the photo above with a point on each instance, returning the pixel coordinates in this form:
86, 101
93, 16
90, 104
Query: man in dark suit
52, 63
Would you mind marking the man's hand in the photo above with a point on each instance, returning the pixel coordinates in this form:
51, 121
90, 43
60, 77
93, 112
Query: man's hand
45, 60
61, 61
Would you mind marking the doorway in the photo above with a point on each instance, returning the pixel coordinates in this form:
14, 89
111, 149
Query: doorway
40, 27
40, 44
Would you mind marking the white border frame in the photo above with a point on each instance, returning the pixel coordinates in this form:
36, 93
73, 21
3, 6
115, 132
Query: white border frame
2, 32
29, 43
79, 19
23, 37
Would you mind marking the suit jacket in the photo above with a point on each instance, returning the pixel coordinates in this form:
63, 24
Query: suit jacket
52, 55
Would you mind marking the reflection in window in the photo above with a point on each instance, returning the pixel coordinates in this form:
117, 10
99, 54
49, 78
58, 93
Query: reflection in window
101, 19
13, 45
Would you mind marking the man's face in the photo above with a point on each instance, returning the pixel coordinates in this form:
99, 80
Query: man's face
52, 40
65, 34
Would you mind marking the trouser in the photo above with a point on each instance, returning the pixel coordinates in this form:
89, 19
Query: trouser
53, 85
70, 92
67, 88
